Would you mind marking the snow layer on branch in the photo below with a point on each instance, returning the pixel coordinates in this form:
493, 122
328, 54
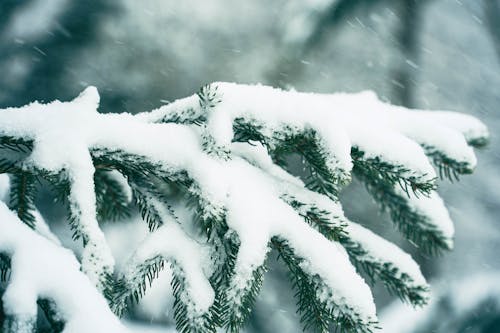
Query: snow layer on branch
342, 120
42, 269
472, 128
257, 213
380, 250
40, 224
432, 207
173, 244
65, 133
57, 129
257, 155
124, 186
382, 131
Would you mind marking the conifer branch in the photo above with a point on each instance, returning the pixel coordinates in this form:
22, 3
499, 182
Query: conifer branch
307, 144
22, 197
183, 321
4, 267
318, 312
16, 144
397, 283
241, 201
384, 172
52, 314
112, 200
414, 225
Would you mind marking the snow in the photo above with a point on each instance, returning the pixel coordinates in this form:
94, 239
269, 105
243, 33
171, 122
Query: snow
257, 155
57, 129
247, 187
257, 213
448, 133
378, 249
123, 238
172, 244
468, 125
42, 269
179, 108
342, 120
381, 251
432, 207
40, 224
118, 177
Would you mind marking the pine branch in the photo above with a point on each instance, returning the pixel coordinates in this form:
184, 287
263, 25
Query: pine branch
52, 314
112, 200
224, 244
8, 166
183, 321
210, 217
384, 172
16, 144
148, 207
225, 251
123, 291
414, 225
22, 197
216, 277
195, 113
397, 283
331, 226
479, 142
131, 288
317, 315
240, 296
321, 178
4, 267
18, 324
447, 167
61, 188
209, 97
238, 314
59, 185
137, 167
232, 306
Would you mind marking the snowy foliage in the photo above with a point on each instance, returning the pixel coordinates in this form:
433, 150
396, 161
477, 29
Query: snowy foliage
225, 151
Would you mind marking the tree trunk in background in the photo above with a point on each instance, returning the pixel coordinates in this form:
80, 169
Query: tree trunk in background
492, 15
410, 14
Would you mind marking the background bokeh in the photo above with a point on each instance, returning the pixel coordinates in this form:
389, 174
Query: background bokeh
429, 54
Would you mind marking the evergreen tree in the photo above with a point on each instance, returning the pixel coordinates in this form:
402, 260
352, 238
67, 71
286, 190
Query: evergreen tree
224, 153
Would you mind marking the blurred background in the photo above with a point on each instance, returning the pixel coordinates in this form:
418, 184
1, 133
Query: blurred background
430, 54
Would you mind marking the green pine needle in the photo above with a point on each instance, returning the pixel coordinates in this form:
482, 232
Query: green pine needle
22, 197
315, 315
4, 267
111, 198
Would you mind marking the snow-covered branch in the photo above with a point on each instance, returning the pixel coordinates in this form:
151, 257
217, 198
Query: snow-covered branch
225, 148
